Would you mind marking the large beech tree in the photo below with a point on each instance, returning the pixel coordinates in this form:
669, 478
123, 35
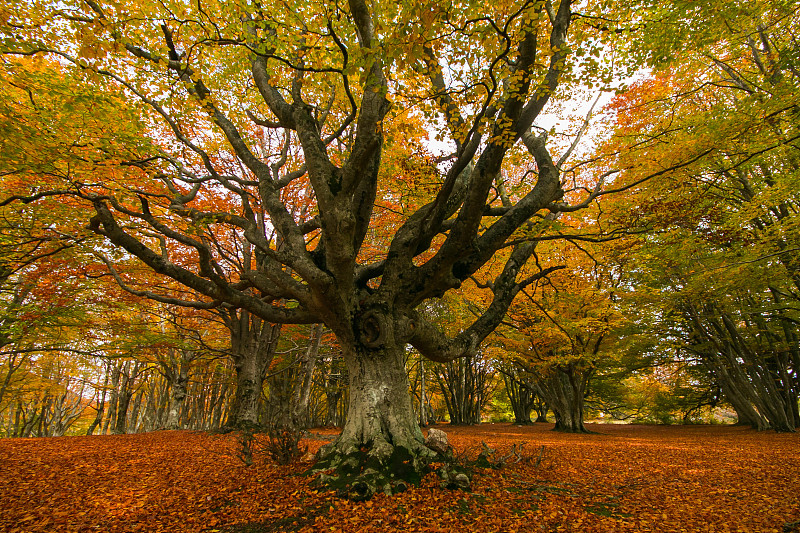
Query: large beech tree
253, 105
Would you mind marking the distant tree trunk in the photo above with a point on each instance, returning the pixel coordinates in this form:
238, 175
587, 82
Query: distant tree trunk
67, 408
17, 421
218, 404
177, 396
563, 388
332, 400
136, 413
123, 402
30, 419
521, 395
98, 419
423, 415
127, 389
466, 386
161, 403
334, 386
541, 408
197, 408
14, 362
112, 403
41, 425
150, 396
302, 389
253, 343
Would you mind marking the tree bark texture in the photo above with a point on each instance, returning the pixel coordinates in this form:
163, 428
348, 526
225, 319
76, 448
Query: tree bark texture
381, 445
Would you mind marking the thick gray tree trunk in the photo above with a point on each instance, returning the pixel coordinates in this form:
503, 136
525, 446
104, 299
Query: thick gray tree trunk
249, 385
381, 443
177, 398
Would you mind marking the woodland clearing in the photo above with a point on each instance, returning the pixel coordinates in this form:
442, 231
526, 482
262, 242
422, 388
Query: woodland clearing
623, 478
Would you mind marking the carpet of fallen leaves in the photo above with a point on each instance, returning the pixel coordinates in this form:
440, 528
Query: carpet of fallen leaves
624, 478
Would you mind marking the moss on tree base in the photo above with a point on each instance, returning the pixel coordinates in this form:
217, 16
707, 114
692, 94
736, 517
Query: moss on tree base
360, 474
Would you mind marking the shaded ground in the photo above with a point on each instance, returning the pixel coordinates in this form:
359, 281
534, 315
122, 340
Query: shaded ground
626, 478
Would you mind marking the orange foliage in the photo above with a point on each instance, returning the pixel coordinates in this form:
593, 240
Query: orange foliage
625, 478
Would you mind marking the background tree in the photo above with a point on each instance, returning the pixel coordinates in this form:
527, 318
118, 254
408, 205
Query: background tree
559, 334
467, 385
719, 260
520, 387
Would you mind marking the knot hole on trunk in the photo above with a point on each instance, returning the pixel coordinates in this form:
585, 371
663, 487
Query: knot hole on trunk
373, 329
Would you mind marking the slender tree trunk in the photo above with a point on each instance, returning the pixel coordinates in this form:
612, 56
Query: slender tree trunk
521, 397
124, 397
423, 415
30, 421
302, 390
134, 424
15, 362
123, 401
334, 389
112, 403
177, 395
465, 384
150, 396
332, 399
541, 408
42, 425
162, 404
98, 419
17, 420
219, 403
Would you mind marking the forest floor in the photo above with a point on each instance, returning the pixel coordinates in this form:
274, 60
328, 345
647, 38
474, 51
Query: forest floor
624, 478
